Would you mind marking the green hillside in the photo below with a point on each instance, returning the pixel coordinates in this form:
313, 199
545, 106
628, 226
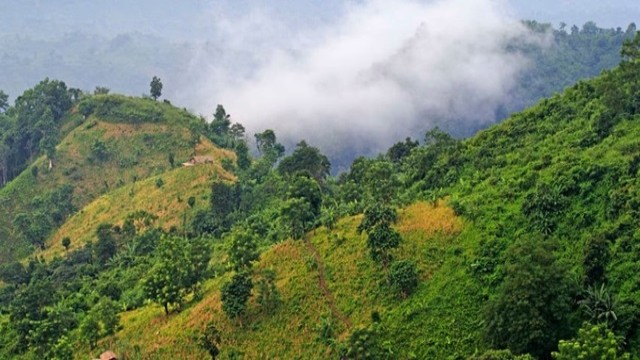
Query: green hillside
121, 140
344, 303
520, 242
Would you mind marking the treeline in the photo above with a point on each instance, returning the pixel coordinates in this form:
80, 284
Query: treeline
32, 125
572, 54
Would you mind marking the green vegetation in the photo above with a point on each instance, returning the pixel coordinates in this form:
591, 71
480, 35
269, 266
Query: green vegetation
96, 155
593, 342
500, 246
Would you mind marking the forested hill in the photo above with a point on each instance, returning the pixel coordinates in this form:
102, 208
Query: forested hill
519, 242
572, 54
61, 149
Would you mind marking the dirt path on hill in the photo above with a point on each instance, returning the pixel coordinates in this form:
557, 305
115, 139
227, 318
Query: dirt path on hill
323, 285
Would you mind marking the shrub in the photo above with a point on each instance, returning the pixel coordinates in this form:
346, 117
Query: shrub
364, 344
66, 242
235, 295
210, 340
593, 342
403, 277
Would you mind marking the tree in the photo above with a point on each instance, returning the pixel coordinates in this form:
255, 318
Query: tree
296, 215
105, 314
195, 130
178, 267
66, 242
594, 342
381, 182
210, 340
543, 208
49, 136
403, 277
375, 215
156, 88
34, 228
101, 90
243, 251
106, 246
308, 189
242, 155
5, 153
166, 281
235, 295
75, 94
63, 349
14, 273
4, 101
219, 131
530, 311
199, 252
308, 159
631, 49
28, 306
380, 240
268, 146
236, 133
400, 150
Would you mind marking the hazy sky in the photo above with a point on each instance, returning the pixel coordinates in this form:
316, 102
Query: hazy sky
186, 19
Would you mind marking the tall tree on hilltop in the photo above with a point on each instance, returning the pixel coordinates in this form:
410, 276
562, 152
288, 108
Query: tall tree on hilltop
308, 159
156, 88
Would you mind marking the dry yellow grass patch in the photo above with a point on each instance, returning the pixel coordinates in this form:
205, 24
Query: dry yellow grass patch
429, 218
120, 130
289, 332
168, 202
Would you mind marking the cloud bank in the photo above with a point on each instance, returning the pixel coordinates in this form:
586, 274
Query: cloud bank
380, 71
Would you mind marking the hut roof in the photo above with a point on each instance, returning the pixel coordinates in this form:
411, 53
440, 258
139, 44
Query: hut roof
108, 355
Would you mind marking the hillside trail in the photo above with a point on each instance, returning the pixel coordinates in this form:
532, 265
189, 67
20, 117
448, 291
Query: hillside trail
323, 285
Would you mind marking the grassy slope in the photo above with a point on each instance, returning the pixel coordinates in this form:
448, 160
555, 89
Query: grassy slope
137, 151
431, 238
168, 202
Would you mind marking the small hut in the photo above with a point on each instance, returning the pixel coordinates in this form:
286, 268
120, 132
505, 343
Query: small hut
201, 159
108, 355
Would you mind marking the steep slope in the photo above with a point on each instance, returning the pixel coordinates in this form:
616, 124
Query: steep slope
169, 201
121, 141
293, 330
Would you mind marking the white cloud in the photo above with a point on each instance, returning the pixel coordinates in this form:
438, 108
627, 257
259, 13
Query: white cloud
382, 69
